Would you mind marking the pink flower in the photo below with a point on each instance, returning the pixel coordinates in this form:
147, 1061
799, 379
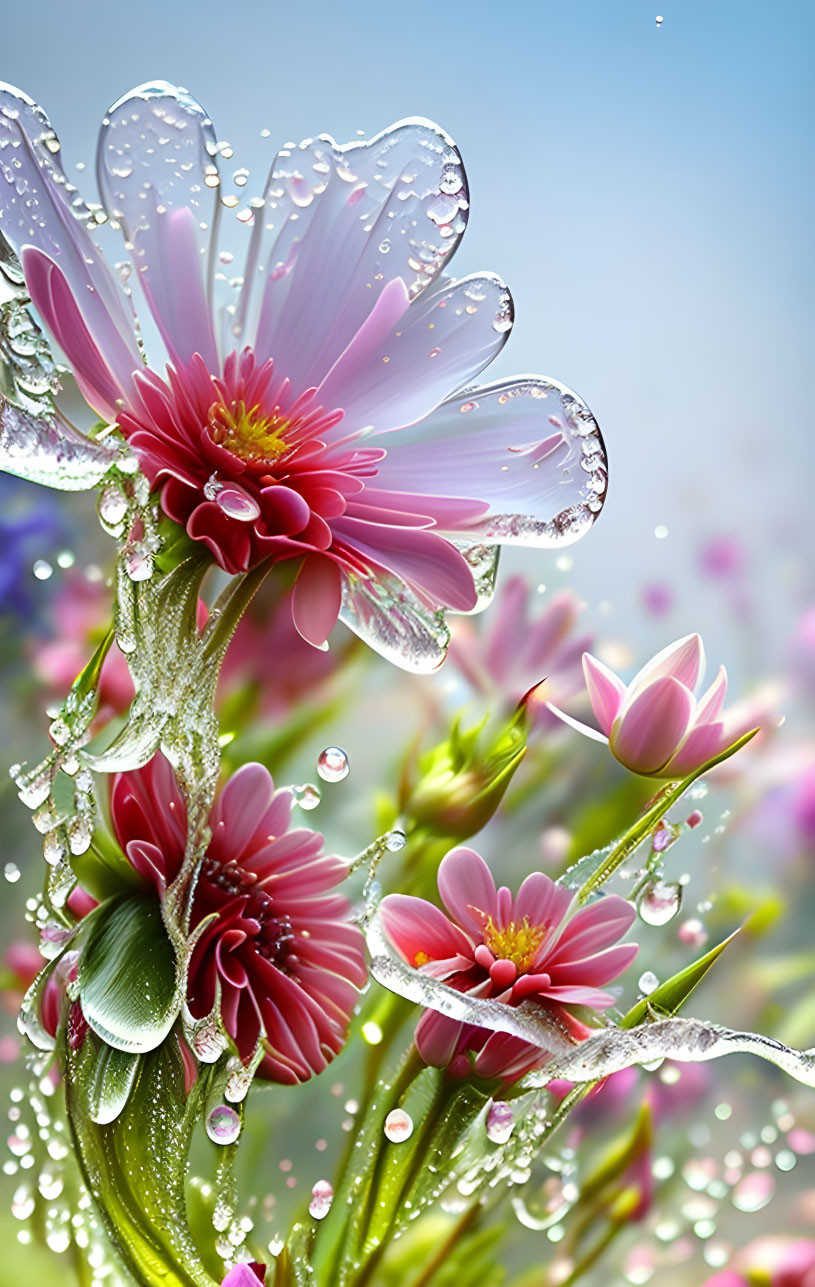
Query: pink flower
513, 653
778, 1262
81, 614
279, 946
243, 1275
655, 726
536, 946
270, 434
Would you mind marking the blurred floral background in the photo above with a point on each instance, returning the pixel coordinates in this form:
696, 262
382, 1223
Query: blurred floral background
643, 180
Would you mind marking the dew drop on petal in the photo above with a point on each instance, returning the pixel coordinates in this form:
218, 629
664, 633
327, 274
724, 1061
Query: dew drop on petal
322, 1196
223, 1124
659, 902
237, 504
500, 1122
398, 1126
112, 506
332, 764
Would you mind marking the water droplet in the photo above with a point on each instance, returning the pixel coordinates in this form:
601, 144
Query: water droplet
237, 504
663, 837
398, 1126
660, 20
659, 902
42, 569
753, 1192
139, 564
322, 1196
59, 732
332, 764
79, 835
500, 1122
223, 1124
648, 982
11, 872
307, 796
112, 506
395, 840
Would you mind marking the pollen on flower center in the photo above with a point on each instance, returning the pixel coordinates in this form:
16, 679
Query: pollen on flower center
247, 432
517, 942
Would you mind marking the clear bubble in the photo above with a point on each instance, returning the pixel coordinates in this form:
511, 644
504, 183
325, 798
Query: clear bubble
659, 902
223, 1124
112, 506
660, 20
307, 796
398, 1126
396, 840
332, 764
648, 982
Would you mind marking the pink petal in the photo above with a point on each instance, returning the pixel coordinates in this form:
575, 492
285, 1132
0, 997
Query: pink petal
699, 746
593, 928
394, 375
683, 660
576, 995
540, 901
316, 599
311, 280
437, 1038
597, 969
247, 795
467, 890
651, 728
508, 445
427, 562
709, 705
417, 929
606, 691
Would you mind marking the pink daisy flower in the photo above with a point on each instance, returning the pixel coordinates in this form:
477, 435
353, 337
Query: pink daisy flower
536, 946
270, 435
279, 950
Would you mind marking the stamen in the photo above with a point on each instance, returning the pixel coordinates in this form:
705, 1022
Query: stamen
518, 941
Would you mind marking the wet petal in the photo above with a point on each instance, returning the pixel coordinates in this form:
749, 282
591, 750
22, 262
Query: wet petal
430, 565
529, 449
419, 930
155, 152
39, 208
391, 619
651, 728
594, 928
246, 797
345, 221
602, 967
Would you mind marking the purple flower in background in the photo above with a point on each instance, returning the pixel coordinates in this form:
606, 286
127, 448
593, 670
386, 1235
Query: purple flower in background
270, 436
29, 526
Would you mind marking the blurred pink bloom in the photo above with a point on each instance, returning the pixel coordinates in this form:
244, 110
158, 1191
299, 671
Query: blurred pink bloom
270, 434
658, 599
277, 951
513, 653
536, 945
82, 614
776, 1262
245, 1275
655, 726
723, 557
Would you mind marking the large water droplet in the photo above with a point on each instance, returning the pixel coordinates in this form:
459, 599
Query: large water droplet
500, 1122
398, 1126
659, 902
332, 764
307, 796
648, 982
112, 506
223, 1124
237, 504
395, 840
322, 1196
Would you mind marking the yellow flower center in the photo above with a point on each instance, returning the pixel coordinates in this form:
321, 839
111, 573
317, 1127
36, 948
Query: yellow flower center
518, 942
246, 433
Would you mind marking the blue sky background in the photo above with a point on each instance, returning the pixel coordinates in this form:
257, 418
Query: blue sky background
646, 192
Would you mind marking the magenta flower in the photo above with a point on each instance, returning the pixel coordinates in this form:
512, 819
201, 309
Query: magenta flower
245, 1275
655, 726
270, 434
778, 1262
279, 951
515, 651
535, 946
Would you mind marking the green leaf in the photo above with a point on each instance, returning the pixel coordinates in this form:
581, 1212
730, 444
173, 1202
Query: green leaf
130, 985
104, 1077
673, 993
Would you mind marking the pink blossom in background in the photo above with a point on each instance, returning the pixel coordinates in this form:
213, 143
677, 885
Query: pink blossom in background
657, 599
82, 613
536, 945
245, 1275
270, 434
654, 725
776, 1262
723, 557
279, 945
516, 650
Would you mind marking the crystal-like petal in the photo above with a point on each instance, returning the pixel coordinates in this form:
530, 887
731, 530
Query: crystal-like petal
529, 448
156, 168
339, 223
389, 618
